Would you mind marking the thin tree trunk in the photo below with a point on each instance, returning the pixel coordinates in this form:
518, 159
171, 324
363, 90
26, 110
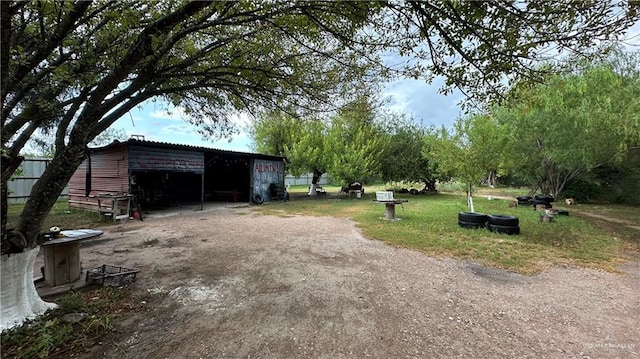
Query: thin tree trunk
314, 182
470, 197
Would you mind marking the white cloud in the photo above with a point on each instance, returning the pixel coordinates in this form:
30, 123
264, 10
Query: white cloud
423, 102
171, 113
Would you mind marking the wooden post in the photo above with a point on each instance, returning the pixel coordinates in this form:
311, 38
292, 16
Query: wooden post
202, 191
391, 210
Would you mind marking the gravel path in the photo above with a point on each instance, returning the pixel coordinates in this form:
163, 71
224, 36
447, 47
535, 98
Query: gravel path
230, 283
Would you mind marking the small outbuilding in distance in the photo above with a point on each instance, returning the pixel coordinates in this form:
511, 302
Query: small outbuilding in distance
158, 174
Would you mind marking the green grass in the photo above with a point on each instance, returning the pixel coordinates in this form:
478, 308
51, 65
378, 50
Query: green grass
502, 191
429, 224
61, 215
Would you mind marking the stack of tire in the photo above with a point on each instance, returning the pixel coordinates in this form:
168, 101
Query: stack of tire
498, 223
501, 223
472, 220
542, 199
523, 200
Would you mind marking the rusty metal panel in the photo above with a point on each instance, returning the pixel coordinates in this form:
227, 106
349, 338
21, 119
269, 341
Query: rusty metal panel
165, 159
109, 174
264, 173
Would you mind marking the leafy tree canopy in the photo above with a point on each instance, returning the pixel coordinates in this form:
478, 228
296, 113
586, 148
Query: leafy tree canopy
356, 142
406, 157
478, 45
301, 142
349, 145
574, 122
474, 147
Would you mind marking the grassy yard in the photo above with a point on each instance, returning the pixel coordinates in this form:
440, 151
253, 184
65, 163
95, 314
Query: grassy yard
429, 224
62, 216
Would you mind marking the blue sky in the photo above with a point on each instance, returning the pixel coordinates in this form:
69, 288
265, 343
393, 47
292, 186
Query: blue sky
412, 97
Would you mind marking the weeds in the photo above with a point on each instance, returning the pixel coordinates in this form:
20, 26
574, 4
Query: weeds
50, 336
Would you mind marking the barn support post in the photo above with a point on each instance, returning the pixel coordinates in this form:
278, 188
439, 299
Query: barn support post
202, 191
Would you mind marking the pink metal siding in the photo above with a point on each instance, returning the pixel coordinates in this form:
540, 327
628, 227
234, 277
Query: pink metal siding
109, 174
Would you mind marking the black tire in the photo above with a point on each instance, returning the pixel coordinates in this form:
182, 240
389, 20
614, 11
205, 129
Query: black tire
523, 198
503, 220
472, 217
524, 202
510, 230
257, 199
413, 191
468, 225
563, 212
545, 197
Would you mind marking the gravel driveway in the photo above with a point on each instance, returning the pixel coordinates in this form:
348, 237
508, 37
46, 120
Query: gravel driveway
231, 283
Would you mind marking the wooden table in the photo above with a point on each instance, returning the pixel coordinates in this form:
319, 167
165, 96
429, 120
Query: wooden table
117, 206
390, 207
62, 257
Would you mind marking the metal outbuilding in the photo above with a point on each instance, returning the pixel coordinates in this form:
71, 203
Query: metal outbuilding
158, 174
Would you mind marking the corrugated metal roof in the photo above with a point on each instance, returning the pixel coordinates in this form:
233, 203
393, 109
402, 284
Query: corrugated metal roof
168, 145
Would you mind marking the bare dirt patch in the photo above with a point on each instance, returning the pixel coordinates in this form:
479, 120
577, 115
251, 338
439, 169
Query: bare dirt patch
230, 283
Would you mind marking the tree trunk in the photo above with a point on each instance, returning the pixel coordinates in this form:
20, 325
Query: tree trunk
47, 189
9, 167
470, 198
491, 179
19, 298
314, 183
430, 185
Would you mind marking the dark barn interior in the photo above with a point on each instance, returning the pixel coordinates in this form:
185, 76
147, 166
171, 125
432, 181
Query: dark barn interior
226, 177
160, 189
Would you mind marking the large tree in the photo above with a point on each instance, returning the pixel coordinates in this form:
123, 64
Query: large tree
473, 148
348, 144
355, 142
406, 155
78, 66
574, 123
300, 141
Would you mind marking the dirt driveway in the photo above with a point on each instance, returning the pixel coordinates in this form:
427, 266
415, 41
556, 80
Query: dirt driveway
230, 283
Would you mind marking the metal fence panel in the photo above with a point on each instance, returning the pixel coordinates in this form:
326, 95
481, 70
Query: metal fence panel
20, 186
306, 179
